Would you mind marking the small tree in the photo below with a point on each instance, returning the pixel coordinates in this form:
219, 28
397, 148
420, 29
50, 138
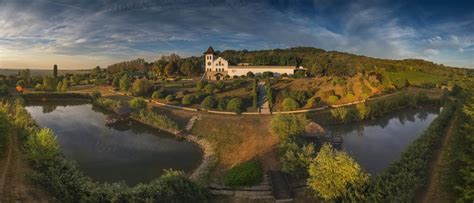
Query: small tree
296, 159
250, 74
42, 147
210, 88
362, 111
340, 113
140, 87
288, 125
209, 102
170, 98
138, 104
116, 82
21, 83
125, 83
59, 87
49, 83
290, 104
187, 99
333, 172
201, 84
255, 93
269, 95
235, 105
55, 71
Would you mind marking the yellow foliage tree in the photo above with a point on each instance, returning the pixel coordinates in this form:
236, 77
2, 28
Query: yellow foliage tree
331, 172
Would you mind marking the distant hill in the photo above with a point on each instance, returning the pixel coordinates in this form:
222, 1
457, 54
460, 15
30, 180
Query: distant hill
41, 72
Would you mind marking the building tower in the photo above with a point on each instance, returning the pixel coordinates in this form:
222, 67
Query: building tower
209, 54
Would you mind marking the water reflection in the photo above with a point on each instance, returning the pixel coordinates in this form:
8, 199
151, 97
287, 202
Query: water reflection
131, 152
376, 143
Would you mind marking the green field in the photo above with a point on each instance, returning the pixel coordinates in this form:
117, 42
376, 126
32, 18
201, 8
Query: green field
416, 78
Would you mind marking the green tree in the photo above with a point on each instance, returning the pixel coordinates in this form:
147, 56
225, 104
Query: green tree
170, 98
159, 94
49, 83
55, 71
210, 88
125, 83
290, 104
140, 87
170, 69
255, 93
3, 90
187, 99
42, 147
21, 83
288, 125
333, 172
116, 82
295, 159
362, 111
269, 93
201, 84
209, 102
138, 104
340, 113
235, 105
59, 87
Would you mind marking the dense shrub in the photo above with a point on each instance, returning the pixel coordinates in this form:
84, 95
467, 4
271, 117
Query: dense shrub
201, 84
140, 87
235, 105
105, 103
170, 98
4, 127
138, 104
209, 102
156, 120
246, 174
42, 147
159, 94
295, 157
3, 90
288, 125
290, 104
210, 88
187, 99
333, 172
333, 99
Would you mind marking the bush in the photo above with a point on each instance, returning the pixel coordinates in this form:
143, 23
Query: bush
313, 101
95, 95
295, 159
289, 104
105, 103
187, 99
140, 87
210, 88
201, 84
247, 174
124, 83
159, 94
3, 90
288, 125
208, 103
21, 83
138, 104
156, 120
4, 128
235, 105
42, 147
170, 98
340, 113
333, 98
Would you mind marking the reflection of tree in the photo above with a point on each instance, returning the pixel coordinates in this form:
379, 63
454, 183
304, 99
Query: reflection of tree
49, 108
423, 115
403, 116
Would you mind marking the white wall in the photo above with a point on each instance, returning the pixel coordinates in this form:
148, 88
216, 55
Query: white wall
241, 70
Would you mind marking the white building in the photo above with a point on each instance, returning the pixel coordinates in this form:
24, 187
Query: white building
218, 68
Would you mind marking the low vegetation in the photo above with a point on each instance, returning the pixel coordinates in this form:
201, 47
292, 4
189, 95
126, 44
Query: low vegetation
156, 120
246, 174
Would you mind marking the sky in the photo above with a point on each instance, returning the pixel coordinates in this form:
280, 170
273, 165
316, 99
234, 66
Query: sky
85, 33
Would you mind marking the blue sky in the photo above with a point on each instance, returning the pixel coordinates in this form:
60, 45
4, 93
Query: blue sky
86, 33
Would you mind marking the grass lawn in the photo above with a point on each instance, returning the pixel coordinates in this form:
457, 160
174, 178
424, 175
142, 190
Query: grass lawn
416, 78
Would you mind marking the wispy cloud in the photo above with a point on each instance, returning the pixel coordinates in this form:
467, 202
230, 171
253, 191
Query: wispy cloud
89, 33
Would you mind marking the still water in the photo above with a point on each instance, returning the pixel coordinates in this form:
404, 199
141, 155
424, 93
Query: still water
133, 152
374, 144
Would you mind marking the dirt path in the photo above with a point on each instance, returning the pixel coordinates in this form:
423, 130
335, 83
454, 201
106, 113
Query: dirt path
433, 192
14, 186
